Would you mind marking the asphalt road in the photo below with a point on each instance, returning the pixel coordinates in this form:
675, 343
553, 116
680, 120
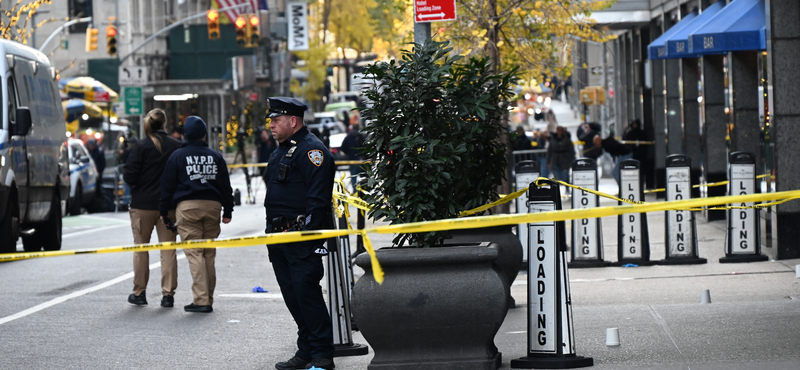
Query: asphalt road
71, 312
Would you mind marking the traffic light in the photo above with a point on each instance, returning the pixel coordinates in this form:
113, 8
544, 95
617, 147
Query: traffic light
111, 40
253, 31
91, 39
241, 38
213, 24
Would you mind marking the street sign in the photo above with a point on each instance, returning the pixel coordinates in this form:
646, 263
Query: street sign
434, 10
132, 76
133, 100
298, 26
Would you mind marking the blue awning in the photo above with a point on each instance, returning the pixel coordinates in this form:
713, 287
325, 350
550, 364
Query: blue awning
742, 25
658, 48
680, 45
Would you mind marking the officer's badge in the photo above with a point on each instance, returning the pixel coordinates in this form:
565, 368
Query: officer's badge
316, 157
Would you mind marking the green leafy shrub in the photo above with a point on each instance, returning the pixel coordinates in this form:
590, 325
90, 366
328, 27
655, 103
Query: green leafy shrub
434, 140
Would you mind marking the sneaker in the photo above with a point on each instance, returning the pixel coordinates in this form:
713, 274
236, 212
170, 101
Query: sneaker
321, 363
195, 308
139, 300
167, 301
294, 363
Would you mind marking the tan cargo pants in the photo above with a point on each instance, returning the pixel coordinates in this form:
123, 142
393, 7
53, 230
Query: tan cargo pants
199, 219
142, 223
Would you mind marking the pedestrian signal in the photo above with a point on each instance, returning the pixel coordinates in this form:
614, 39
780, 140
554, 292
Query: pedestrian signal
91, 39
111, 40
213, 24
241, 38
253, 30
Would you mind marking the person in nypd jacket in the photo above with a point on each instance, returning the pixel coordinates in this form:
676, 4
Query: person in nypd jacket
196, 183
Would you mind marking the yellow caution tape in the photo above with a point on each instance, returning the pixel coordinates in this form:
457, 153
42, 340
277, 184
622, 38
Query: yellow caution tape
574, 214
635, 142
338, 163
595, 192
377, 271
356, 202
350, 162
720, 183
278, 238
500, 201
248, 165
428, 226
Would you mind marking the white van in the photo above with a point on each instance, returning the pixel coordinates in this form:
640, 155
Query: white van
34, 168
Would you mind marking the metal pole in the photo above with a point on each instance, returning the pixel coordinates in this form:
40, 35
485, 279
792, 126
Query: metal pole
176, 24
61, 28
422, 32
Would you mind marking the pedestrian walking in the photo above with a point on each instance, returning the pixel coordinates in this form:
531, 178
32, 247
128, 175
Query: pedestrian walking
619, 151
586, 133
351, 147
97, 155
124, 151
521, 140
196, 184
299, 196
177, 133
540, 143
266, 144
143, 169
560, 154
634, 132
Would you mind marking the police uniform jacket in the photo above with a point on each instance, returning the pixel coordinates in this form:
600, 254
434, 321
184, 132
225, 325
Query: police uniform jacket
144, 167
195, 172
307, 186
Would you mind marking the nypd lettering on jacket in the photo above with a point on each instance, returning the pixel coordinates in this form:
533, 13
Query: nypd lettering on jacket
201, 168
196, 172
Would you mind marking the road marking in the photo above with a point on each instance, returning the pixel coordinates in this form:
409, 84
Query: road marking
77, 294
663, 324
19, 242
91, 230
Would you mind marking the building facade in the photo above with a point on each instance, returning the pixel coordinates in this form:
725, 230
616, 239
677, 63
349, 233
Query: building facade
706, 78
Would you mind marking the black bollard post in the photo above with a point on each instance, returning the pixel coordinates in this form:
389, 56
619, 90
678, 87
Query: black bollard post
633, 239
526, 172
340, 287
743, 241
587, 234
551, 342
681, 233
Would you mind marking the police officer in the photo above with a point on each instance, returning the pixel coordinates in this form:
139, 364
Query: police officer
196, 184
299, 194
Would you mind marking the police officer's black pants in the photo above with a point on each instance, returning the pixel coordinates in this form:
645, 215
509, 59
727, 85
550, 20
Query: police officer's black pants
299, 271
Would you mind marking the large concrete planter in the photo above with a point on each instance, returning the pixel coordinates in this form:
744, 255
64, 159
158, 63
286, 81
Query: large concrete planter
438, 308
509, 259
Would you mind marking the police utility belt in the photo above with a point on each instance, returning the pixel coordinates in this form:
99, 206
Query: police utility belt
282, 224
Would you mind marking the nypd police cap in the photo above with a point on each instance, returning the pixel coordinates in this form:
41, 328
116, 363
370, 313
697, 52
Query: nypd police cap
280, 106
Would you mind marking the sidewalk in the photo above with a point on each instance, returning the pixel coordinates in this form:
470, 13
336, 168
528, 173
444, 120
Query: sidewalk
753, 321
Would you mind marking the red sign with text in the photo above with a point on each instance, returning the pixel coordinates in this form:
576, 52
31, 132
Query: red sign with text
434, 10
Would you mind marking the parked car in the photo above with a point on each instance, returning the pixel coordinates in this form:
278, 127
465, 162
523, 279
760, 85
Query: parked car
83, 177
329, 121
341, 108
336, 145
345, 96
34, 175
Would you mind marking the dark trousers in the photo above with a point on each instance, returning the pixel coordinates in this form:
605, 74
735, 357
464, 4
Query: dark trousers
299, 271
